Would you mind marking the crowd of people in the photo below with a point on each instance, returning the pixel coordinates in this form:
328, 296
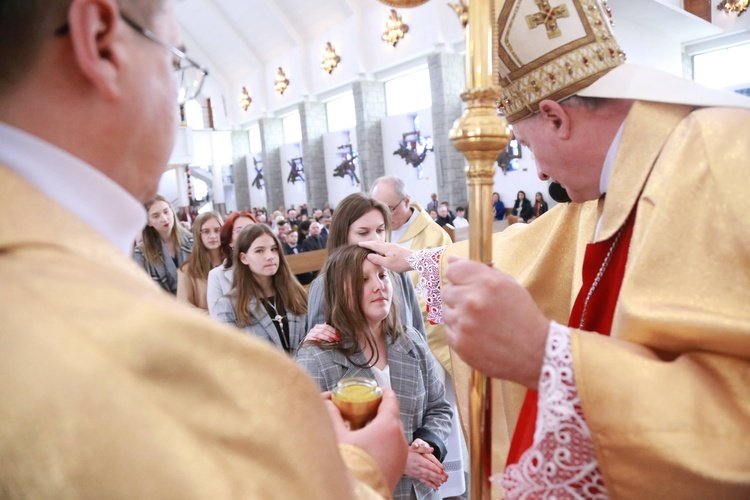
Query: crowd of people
238, 274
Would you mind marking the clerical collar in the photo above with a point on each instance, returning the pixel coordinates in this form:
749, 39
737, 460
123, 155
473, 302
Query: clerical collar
79, 187
609, 161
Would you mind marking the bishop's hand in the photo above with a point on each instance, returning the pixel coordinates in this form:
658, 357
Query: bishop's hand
493, 323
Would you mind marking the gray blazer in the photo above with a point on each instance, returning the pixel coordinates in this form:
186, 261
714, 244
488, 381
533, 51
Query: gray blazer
403, 294
219, 283
262, 325
421, 396
165, 273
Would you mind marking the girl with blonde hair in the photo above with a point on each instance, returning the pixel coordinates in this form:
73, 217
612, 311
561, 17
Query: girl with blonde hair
166, 245
192, 277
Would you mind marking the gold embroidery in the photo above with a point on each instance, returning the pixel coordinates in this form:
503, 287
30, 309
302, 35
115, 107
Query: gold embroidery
548, 16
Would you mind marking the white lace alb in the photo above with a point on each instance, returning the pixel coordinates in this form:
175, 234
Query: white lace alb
561, 463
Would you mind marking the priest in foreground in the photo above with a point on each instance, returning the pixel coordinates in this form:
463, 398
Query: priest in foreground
111, 388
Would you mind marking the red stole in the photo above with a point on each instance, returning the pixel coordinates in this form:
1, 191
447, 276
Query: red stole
599, 314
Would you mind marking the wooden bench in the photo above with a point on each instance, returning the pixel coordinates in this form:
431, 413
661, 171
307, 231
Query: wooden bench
307, 262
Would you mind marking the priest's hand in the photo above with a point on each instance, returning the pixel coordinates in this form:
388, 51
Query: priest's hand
382, 438
389, 255
493, 323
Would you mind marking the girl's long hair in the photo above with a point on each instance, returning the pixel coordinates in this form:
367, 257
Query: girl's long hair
227, 230
199, 263
152, 241
343, 305
349, 210
245, 285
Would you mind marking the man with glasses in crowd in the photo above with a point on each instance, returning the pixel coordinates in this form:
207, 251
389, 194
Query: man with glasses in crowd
112, 389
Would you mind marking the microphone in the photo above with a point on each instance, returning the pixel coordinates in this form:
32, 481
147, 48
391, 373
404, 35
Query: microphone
558, 193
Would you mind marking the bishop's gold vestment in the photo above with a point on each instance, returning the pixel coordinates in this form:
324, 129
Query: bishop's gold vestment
667, 395
110, 388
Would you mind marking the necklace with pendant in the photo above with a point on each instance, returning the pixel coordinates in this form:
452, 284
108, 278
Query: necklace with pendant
278, 318
283, 336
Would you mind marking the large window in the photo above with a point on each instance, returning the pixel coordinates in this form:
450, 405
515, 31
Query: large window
194, 115
408, 92
292, 128
724, 68
256, 145
341, 113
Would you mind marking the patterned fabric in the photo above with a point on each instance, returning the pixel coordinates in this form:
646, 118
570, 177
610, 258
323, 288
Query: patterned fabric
165, 273
561, 463
540, 59
421, 395
262, 326
427, 264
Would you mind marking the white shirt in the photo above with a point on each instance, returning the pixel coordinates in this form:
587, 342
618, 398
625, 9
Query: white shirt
396, 234
609, 163
80, 188
382, 377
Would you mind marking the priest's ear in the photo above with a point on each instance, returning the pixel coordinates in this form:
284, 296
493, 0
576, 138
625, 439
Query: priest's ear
553, 115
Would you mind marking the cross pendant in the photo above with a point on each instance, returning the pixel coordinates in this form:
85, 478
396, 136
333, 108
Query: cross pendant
279, 319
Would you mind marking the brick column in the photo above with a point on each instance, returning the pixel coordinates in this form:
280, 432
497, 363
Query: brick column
314, 121
447, 81
272, 137
240, 150
369, 105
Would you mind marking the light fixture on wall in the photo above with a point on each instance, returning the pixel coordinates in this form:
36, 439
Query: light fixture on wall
281, 82
245, 100
462, 11
736, 6
395, 29
330, 59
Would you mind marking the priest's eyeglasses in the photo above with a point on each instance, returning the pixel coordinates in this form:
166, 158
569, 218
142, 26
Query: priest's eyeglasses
191, 74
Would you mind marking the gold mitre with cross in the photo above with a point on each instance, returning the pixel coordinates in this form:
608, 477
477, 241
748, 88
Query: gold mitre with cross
552, 49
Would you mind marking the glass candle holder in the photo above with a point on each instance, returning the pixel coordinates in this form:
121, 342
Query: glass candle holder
357, 398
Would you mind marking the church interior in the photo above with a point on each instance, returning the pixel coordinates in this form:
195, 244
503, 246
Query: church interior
308, 102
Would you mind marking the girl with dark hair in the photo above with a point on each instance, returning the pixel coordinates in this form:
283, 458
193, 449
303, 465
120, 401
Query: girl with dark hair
266, 300
522, 207
192, 277
361, 218
220, 278
166, 244
374, 344
540, 206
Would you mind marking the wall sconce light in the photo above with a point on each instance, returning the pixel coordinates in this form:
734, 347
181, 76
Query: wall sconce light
281, 82
736, 6
462, 11
245, 100
395, 29
330, 59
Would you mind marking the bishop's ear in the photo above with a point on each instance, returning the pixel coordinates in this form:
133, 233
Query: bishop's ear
556, 117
